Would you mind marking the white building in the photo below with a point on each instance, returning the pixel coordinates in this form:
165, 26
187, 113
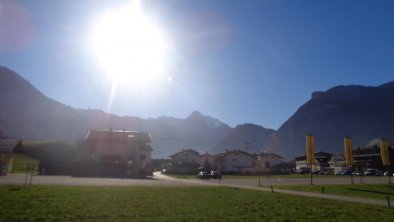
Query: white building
321, 161
267, 160
237, 161
186, 156
337, 162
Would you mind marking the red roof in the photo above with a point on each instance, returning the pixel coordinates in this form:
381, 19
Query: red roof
118, 135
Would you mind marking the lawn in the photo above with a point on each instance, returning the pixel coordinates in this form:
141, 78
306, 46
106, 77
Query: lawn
376, 191
60, 203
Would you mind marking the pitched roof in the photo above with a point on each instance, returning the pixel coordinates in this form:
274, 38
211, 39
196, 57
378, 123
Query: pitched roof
206, 154
237, 152
8, 144
118, 135
318, 154
270, 154
186, 150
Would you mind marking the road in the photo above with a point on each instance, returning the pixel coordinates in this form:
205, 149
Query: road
266, 181
156, 180
162, 180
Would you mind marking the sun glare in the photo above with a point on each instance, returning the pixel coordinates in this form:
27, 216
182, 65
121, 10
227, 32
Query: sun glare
129, 46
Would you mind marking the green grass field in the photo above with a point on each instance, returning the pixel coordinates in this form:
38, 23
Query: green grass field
376, 191
20, 161
60, 203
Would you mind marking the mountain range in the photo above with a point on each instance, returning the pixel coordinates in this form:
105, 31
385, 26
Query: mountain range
362, 112
27, 113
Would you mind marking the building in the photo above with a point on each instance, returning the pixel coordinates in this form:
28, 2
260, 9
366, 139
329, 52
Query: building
186, 161
190, 161
114, 153
337, 162
369, 157
321, 162
207, 161
268, 162
186, 156
237, 161
8, 145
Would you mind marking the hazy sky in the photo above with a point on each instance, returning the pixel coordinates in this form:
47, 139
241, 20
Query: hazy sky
241, 61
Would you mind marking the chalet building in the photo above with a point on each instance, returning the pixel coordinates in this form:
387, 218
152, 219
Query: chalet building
369, 157
114, 153
237, 161
186, 161
321, 161
268, 162
187, 156
8, 145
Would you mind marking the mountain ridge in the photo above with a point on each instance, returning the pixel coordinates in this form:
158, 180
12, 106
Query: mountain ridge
362, 112
31, 115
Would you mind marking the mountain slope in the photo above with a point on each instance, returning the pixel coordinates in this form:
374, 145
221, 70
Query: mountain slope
27, 113
252, 137
362, 112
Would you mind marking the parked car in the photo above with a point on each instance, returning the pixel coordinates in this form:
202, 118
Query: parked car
203, 175
379, 173
387, 173
302, 170
328, 171
338, 173
343, 173
357, 173
370, 172
215, 175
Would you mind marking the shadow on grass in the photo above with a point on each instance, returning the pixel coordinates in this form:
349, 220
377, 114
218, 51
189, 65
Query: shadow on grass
390, 186
371, 191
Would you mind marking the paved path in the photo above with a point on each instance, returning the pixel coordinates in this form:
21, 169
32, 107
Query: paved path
252, 184
162, 180
319, 195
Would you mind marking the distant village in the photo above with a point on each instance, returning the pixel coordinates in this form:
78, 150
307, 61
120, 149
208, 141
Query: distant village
241, 162
121, 153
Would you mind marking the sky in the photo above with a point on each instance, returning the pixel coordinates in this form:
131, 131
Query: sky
254, 61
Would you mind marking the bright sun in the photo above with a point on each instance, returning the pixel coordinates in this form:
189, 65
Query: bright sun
129, 46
